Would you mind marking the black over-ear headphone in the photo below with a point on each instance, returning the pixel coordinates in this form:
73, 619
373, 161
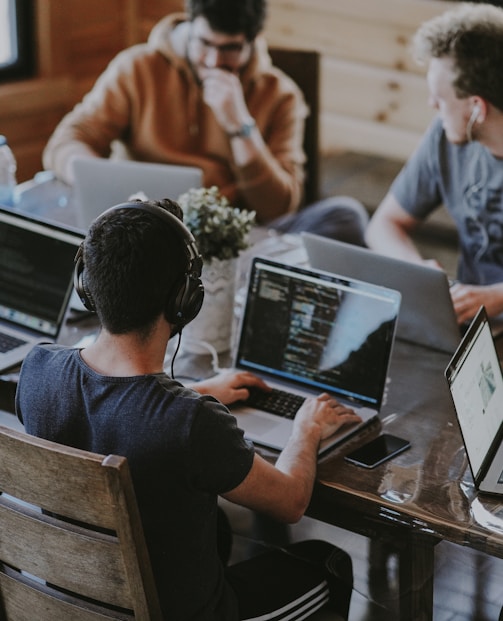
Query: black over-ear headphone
186, 300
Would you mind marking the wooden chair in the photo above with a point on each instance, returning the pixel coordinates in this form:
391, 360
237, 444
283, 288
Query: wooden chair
53, 568
83, 558
303, 66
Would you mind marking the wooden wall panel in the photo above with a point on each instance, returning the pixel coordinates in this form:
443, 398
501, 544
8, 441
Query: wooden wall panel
371, 109
75, 42
51, 37
29, 112
153, 10
96, 32
373, 94
349, 37
345, 133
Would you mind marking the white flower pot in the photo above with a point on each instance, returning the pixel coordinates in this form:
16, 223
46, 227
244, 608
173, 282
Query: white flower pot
214, 323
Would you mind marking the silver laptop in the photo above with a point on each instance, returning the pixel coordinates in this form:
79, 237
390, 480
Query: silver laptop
476, 384
102, 183
426, 313
307, 332
36, 279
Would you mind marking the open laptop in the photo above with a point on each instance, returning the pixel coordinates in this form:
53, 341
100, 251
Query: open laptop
102, 183
307, 332
36, 279
426, 313
476, 384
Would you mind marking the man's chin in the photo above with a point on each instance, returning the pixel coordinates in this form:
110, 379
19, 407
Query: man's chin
455, 138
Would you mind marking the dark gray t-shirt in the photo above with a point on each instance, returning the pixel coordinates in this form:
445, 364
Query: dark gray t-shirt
468, 180
183, 450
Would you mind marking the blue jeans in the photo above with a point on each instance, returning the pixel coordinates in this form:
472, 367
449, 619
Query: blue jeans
339, 217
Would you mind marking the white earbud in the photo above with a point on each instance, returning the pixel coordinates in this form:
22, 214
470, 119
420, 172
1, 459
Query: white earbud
471, 122
474, 114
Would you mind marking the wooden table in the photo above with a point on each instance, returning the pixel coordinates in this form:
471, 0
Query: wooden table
422, 496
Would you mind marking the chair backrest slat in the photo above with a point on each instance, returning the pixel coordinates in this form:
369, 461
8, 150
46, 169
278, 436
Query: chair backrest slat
69, 521
303, 66
81, 494
22, 601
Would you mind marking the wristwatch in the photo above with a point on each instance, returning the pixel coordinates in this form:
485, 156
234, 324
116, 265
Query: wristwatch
244, 131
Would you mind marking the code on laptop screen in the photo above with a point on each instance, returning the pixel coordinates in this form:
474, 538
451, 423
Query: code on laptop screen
36, 266
322, 331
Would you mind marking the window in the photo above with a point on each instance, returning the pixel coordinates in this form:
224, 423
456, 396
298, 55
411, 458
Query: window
16, 39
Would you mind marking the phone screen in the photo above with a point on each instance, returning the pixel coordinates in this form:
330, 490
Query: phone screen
378, 450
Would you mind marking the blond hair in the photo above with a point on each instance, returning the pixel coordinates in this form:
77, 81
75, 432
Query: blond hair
471, 35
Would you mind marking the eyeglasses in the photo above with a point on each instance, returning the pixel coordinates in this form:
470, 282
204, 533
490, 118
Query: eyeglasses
228, 51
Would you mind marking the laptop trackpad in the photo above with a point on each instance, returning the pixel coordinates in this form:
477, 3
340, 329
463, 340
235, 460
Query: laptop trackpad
257, 424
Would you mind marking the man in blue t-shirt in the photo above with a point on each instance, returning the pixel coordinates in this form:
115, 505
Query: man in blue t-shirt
139, 269
459, 162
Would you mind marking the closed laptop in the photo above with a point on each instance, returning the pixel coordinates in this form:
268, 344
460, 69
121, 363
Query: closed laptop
102, 183
426, 313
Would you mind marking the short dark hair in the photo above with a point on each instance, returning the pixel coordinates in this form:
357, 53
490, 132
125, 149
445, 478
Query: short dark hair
472, 36
132, 261
230, 16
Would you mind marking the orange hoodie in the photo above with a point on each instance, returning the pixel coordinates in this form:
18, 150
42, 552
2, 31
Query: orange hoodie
148, 99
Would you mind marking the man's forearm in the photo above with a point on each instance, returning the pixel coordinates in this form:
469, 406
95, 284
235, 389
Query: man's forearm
268, 188
299, 460
389, 240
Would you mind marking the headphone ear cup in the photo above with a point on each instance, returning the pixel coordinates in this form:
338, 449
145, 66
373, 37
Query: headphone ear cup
79, 282
185, 302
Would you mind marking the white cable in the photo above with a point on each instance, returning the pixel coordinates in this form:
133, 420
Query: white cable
214, 354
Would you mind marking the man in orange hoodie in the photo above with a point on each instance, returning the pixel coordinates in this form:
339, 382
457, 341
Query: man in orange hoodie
203, 92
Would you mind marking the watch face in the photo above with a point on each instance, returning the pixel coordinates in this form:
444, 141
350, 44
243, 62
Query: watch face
245, 130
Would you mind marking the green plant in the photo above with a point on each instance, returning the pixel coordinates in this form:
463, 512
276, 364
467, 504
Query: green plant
220, 230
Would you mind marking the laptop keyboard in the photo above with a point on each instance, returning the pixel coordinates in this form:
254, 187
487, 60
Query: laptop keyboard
8, 342
276, 401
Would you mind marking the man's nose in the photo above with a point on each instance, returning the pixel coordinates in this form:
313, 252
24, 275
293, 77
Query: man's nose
214, 58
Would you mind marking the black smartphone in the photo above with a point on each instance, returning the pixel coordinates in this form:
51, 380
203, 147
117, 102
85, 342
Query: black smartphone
377, 451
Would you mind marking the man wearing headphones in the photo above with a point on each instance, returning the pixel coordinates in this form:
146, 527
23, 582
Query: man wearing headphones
139, 269
459, 161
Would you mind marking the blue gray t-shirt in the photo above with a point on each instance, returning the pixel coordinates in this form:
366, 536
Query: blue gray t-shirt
468, 180
183, 451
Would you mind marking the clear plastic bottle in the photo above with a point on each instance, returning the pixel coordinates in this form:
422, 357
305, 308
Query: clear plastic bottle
8, 169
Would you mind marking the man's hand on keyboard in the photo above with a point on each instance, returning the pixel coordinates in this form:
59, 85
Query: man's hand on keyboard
326, 412
230, 386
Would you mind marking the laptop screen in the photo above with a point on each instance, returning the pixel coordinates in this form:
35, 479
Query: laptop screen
36, 267
476, 386
318, 330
